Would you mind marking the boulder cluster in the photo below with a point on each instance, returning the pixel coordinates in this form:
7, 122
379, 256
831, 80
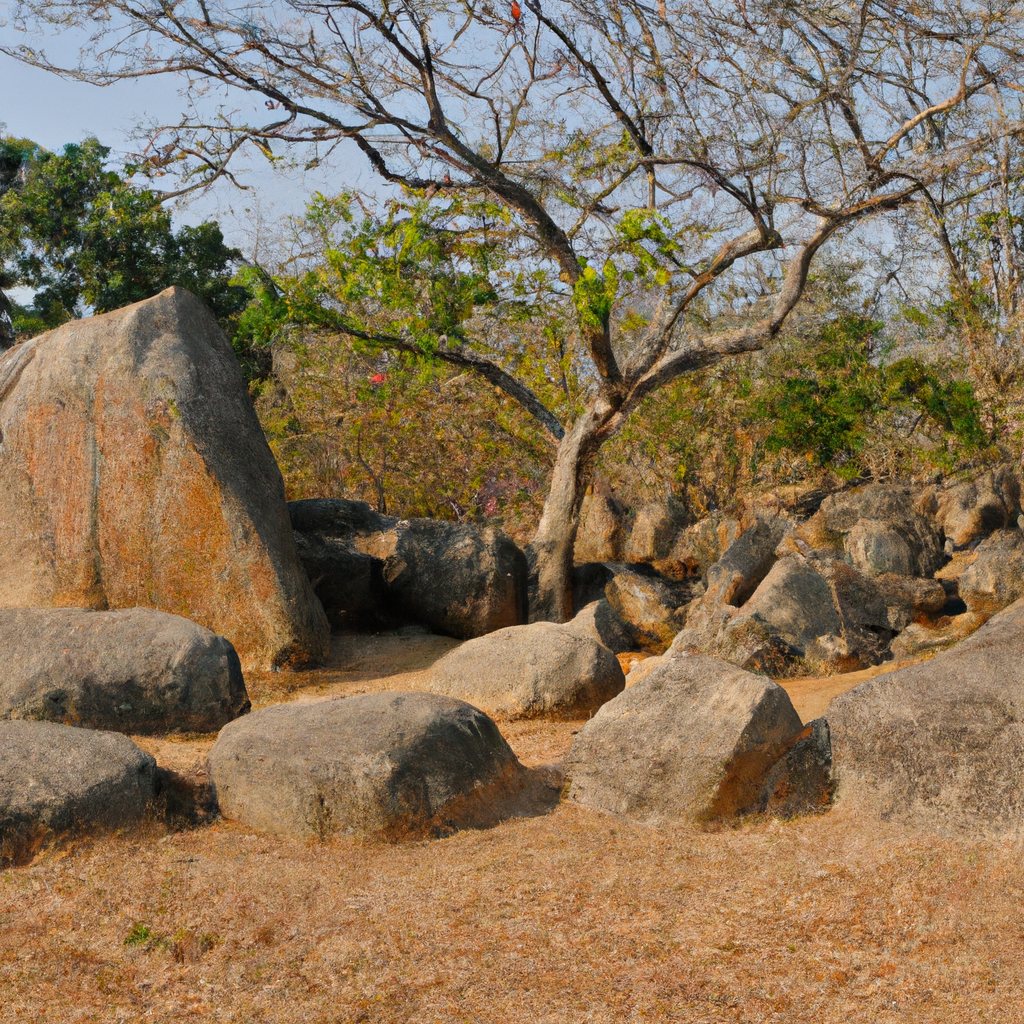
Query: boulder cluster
150, 559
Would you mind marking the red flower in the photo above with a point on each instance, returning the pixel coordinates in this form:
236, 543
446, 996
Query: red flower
378, 378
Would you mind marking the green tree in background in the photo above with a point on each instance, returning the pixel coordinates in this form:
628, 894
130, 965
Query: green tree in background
84, 237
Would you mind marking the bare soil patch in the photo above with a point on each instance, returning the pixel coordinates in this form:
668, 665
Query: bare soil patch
571, 917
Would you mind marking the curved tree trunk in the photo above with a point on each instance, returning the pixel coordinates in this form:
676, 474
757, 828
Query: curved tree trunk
551, 551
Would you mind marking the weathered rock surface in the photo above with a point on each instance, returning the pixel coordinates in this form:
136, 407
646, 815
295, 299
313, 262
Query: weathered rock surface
57, 779
386, 765
135, 671
599, 622
995, 579
878, 529
692, 741
970, 511
133, 472
698, 547
650, 539
541, 670
926, 638
939, 743
451, 577
601, 534
653, 610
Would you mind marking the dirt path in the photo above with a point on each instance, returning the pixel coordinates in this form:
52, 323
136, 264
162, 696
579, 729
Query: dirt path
811, 696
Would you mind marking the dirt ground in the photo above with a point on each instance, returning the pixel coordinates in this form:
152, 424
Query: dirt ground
571, 917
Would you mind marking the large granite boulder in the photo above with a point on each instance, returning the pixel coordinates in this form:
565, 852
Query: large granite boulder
692, 741
453, 578
995, 579
541, 670
133, 472
385, 765
56, 779
879, 529
136, 671
599, 622
939, 743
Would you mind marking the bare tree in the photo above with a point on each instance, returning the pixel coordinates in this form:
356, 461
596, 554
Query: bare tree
643, 151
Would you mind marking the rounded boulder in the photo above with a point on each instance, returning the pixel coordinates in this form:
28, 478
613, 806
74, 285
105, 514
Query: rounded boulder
542, 670
55, 779
386, 765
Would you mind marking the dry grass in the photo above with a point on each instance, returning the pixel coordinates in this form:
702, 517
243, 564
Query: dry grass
573, 917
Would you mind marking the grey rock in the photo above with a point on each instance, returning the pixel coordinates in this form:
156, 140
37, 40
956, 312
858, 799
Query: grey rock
135, 671
541, 670
879, 529
654, 529
387, 765
698, 547
652, 609
451, 577
940, 743
599, 622
693, 741
921, 638
56, 779
995, 579
134, 472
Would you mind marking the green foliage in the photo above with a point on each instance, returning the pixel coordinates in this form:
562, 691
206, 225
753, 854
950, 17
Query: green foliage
83, 236
140, 935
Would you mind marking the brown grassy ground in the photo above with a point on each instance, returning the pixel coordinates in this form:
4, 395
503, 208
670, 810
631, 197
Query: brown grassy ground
573, 917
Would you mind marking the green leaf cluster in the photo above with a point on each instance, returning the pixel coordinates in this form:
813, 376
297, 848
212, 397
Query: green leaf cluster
82, 236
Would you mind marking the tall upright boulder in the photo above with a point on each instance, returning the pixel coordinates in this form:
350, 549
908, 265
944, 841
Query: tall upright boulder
133, 472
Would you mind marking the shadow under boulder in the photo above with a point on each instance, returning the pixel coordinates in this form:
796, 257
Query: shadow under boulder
389, 765
135, 671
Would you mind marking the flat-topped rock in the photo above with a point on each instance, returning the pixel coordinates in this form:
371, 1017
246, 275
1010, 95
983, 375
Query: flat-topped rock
541, 670
385, 765
56, 779
134, 472
136, 671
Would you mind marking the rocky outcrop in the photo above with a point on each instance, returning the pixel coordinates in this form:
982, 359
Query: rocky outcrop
541, 670
995, 579
56, 779
878, 529
939, 743
450, 577
970, 511
385, 765
133, 472
136, 671
698, 547
654, 529
599, 622
693, 741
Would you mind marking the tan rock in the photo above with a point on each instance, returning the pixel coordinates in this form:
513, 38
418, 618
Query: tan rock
133, 472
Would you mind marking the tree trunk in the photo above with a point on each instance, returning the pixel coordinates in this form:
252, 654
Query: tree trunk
551, 551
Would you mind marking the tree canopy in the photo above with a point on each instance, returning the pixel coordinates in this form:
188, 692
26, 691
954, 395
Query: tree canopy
82, 236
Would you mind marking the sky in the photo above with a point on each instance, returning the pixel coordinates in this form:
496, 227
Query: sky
52, 111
